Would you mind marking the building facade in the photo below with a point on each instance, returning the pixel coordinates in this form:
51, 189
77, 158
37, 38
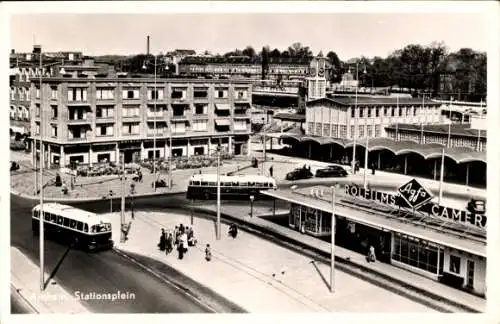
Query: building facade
349, 118
91, 119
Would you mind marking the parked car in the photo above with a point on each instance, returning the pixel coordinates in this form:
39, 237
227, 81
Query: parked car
331, 171
299, 174
14, 166
160, 183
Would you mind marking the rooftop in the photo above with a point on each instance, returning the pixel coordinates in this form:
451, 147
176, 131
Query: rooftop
290, 117
456, 129
73, 213
373, 101
242, 60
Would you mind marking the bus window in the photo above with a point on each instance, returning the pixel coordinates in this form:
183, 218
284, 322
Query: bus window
197, 183
53, 219
92, 229
190, 182
72, 223
79, 226
86, 228
65, 221
235, 184
204, 183
59, 220
251, 184
212, 183
46, 217
35, 213
243, 184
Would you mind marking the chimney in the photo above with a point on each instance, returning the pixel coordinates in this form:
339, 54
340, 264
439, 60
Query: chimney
37, 49
12, 51
147, 45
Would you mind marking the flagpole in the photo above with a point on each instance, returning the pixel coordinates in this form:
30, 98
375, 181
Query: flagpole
449, 125
479, 128
441, 177
355, 124
421, 123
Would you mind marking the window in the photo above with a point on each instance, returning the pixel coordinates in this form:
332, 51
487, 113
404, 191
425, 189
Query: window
54, 112
377, 131
385, 112
130, 94
54, 131
37, 110
53, 93
393, 112
200, 150
12, 93
400, 111
37, 128
178, 128
361, 111
361, 130
104, 112
179, 93
200, 93
105, 130
454, 264
77, 94
241, 94
240, 125
79, 226
155, 94
200, 109
353, 134
66, 222
131, 128
37, 93
369, 130
368, 112
353, 113
130, 111
377, 112
105, 93
221, 93
200, 125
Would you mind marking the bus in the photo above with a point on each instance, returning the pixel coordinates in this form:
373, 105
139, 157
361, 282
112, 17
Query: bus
67, 224
204, 186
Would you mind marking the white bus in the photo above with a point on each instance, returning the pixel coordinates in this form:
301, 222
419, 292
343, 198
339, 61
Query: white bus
204, 186
68, 224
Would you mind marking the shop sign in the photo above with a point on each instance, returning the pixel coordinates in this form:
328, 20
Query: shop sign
414, 194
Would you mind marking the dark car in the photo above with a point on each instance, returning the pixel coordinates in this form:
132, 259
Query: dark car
160, 183
299, 174
331, 171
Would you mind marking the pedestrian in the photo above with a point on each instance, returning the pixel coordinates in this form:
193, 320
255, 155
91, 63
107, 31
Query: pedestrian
233, 231
371, 254
302, 228
161, 245
169, 245
190, 237
356, 166
208, 253
176, 235
181, 228
373, 168
271, 171
183, 241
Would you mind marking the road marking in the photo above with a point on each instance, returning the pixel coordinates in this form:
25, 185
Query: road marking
154, 273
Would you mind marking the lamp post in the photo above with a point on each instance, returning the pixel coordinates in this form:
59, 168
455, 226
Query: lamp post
132, 192
332, 243
252, 198
111, 201
122, 212
42, 161
355, 120
218, 235
154, 97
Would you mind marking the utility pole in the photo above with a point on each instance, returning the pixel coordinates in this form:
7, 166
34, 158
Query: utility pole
218, 193
122, 212
332, 248
170, 155
355, 123
42, 216
154, 131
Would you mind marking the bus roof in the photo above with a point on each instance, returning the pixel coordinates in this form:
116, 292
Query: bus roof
224, 178
73, 213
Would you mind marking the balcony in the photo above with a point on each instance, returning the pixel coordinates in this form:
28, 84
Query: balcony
159, 132
242, 130
241, 114
79, 103
151, 116
103, 119
79, 121
179, 117
199, 116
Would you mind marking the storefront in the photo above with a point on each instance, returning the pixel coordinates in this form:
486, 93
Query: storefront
440, 243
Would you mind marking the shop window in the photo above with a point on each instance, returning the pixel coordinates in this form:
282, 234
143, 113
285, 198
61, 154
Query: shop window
454, 264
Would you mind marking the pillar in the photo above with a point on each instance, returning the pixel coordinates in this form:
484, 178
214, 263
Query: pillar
406, 164
188, 147
91, 155
117, 154
331, 152
378, 162
230, 145
143, 155
49, 154
249, 147
438, 260
435, 167
310, 151
210, 146
467, 174
165, 149
62, 157
33, 153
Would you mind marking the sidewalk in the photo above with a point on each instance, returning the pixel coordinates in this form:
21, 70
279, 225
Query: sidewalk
258, 275
25, 278
240, 213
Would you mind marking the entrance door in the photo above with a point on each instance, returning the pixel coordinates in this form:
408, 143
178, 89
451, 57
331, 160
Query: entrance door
470, 274
237, 149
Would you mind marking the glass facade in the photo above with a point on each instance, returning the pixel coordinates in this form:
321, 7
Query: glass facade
315, 221
415, 252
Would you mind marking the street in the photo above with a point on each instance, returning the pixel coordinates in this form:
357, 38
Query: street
100, 272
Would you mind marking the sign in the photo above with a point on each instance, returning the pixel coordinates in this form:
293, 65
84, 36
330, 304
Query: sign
414, 194
411, 195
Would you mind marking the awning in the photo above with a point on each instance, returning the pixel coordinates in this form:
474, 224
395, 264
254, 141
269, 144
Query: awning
222, 106
222, 122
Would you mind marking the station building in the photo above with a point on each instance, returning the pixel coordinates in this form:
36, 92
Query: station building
438, 242
90, 117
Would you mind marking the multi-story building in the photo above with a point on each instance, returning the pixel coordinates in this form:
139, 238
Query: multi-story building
24, 69
247, 67
349, 118
91, 118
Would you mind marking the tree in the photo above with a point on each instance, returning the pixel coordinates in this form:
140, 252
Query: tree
265, 61
336, 70
320, 54
249, 51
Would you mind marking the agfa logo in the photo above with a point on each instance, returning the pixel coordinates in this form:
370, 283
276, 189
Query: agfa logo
414, 194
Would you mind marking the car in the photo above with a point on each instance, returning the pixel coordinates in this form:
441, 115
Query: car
299, 174
331, 171
160, 183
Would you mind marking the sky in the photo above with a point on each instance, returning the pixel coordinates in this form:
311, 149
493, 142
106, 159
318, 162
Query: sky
348, 34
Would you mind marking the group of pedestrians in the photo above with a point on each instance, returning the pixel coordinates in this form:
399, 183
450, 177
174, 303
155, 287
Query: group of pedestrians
181, 237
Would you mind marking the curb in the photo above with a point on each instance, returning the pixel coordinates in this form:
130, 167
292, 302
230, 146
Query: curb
318, 251
17, 294
171, 283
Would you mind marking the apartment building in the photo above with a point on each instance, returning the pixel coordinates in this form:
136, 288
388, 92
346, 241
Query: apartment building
348, 118
91, 119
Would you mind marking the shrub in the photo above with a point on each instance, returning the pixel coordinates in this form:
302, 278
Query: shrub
17, 146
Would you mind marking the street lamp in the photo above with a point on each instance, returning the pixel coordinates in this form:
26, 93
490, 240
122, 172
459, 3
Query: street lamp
154, 96
132, 192
218, 192
111, 201
252, 198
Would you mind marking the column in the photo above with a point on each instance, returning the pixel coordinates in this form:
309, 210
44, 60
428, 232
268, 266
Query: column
143, 155
62, 157
48, 161
33, 152
188, 148
209, 146
91, 155
378, 162
310, 151
165, 149
406, 163
331, 152
249, 147
467, 174
117, 154
230, 145
435, 167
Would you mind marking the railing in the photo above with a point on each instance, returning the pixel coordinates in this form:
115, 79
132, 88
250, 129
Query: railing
179, 117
